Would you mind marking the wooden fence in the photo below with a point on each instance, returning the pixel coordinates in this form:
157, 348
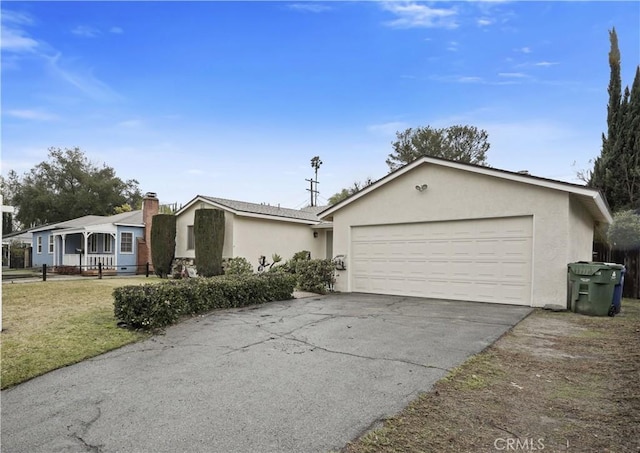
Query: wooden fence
630, 259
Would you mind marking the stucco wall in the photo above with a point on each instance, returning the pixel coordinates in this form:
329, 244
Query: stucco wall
581, 230
457, 195
254, 237
186, 218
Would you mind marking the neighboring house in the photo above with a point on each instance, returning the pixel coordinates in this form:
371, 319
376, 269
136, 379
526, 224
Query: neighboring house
117, 242
253, 230
448, 230
21, 239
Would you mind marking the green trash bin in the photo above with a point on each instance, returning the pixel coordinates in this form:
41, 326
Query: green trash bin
591, 287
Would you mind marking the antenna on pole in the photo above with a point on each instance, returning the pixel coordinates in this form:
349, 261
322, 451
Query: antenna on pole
315, 164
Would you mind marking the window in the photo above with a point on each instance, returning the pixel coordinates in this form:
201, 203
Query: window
39, 246
106, 245
191, 243
93, 243
126, 242
51, 243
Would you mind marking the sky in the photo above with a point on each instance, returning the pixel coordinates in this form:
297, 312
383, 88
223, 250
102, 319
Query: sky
234, 99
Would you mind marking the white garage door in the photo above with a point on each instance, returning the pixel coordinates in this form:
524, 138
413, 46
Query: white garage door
486, 260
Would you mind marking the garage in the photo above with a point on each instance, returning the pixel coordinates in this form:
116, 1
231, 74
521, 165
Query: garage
487, 260
448, 230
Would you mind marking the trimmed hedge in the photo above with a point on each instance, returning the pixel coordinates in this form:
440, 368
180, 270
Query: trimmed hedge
153, 306
163, 243
208, 233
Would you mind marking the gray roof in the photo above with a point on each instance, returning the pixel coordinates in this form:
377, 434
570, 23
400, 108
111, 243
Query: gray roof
131, 218
265, 209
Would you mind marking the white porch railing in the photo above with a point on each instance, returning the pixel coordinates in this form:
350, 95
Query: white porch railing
92, 259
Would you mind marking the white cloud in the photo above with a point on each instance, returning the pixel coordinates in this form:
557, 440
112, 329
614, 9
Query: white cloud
309, 7
469, 79
452, 46
27, 114
524, 50
85, 31
130, 124
545, 63
389, 128
418, 15
516, 75
484, 22
13, 38
116, 30
82, 80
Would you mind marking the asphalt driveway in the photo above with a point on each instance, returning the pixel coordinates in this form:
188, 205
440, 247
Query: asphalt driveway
304, 375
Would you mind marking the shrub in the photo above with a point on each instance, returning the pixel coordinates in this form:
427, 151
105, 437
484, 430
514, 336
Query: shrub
624, 232
163, 243
316, 276
238, 266
301, 255
154, 306
208, 232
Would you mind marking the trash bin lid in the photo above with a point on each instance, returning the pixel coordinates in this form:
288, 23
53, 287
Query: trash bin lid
590, 268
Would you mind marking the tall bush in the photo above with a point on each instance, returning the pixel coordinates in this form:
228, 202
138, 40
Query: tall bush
208, 233
163, 243
316, 276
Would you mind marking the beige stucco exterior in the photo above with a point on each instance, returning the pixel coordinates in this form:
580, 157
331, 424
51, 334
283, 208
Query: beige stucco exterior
252, 237
563, 227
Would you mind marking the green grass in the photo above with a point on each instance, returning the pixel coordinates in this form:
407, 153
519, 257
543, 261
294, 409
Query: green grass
48, 325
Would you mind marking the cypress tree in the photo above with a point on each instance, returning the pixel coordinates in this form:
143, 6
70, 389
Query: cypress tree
163, 243
630, 159
616, 171
208, 233
602, 163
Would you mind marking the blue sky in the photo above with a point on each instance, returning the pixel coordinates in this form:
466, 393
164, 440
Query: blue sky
233, 99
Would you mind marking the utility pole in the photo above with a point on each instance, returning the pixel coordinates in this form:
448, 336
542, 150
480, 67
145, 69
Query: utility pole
315, 164
310, 190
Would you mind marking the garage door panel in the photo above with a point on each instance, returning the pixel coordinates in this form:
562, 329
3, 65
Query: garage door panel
486, 260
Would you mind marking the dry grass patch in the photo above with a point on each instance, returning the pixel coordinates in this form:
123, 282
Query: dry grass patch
561, 381
48, 325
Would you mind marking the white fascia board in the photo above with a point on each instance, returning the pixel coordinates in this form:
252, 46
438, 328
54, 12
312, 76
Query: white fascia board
380, 182
141, 225
503, 174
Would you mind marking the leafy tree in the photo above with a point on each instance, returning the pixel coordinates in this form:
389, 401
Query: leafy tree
460, 143
616, 172
624, 232
208, 234
67, 186
357, 186
163, 243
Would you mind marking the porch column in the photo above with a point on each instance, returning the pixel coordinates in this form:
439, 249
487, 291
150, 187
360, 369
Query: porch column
114, 250
85, 235
64, 247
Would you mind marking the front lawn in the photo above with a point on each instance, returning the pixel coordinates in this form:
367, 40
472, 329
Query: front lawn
48, 325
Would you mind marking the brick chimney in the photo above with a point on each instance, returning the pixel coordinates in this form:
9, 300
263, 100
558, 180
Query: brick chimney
150, 207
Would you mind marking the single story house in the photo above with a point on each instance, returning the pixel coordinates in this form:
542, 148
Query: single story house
253, 230
118, 243
442, 229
